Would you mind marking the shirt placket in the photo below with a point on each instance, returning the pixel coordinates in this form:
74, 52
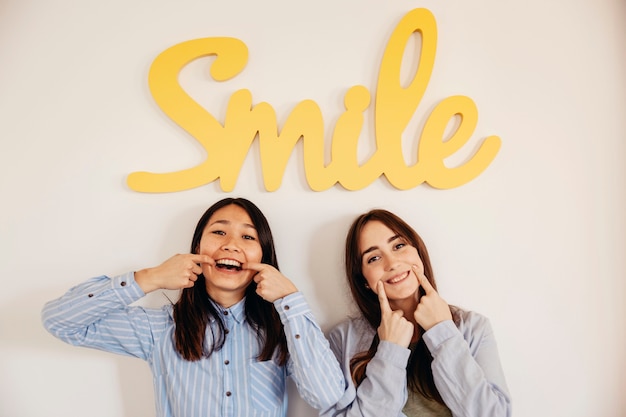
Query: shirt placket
227, 369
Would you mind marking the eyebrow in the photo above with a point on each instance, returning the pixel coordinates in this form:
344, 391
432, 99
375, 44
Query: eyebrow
373, 248
229, 222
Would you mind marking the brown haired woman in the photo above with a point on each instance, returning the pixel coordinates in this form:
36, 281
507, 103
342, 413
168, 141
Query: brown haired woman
410, 353
226, 347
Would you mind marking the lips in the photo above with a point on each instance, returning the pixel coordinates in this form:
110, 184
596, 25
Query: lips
228, 264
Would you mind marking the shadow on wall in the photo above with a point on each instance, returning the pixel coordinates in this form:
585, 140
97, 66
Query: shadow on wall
326, 268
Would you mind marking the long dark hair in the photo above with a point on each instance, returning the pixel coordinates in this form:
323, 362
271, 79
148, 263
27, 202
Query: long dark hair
194, 309
419, 372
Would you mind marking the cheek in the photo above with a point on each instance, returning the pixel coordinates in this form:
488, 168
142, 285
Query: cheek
254, 253
249, 277
420, 265
371, 275
416, 260
206, 246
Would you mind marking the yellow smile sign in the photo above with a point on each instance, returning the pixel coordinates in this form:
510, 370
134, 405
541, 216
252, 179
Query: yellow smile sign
227, 144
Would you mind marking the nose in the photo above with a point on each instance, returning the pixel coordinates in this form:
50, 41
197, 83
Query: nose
230, 244
390, 262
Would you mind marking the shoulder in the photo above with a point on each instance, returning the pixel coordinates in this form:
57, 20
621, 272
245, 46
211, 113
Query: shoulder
160, 316
354, 330
467, 318
473, 326
350, 325
168, 310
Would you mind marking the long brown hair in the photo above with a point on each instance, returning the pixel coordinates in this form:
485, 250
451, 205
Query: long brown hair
419, 372
195, 309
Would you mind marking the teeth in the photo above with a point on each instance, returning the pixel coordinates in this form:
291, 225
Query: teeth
397, 279
228, 262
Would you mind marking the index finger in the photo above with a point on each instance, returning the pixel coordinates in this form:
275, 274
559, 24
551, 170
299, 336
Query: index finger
382, 298
202, 259
254, 266
423, 281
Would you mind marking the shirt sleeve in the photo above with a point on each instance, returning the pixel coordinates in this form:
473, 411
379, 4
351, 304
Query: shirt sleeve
383, 391
96, 314
311, 363
466, 368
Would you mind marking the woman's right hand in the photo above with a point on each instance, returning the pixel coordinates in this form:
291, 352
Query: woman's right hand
179, 271
393, 327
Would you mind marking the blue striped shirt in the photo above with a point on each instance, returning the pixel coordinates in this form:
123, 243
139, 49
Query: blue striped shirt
231, 382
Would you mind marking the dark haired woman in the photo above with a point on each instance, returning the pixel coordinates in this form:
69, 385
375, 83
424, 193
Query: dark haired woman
227, 345
410, 353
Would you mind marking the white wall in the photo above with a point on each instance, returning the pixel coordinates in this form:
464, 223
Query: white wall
537, 242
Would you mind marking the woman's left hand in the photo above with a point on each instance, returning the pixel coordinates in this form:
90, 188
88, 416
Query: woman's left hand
431, 308
270, 283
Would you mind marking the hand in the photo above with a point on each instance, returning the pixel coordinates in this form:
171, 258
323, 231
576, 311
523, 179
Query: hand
270, 283
393, 327
431, 308
179, 271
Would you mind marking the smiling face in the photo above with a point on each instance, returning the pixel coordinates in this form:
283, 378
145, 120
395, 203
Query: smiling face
389, 257
231, 239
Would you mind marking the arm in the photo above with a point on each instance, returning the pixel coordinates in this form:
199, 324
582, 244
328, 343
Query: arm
95, 314
383, 391
466, 367
311, 363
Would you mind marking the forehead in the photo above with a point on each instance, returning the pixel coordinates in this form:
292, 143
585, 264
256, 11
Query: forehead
374, 233
231, 215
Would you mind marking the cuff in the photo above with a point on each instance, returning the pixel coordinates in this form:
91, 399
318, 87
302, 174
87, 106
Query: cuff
439, 333
393, 354
291, 306
126, 288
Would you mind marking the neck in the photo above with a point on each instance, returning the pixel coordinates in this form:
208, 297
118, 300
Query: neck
226, 299
407, 306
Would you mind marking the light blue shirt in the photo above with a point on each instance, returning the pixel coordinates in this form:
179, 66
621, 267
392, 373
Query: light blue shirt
231, 382
466, 369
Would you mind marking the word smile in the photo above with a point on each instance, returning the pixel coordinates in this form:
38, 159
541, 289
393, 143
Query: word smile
228, 143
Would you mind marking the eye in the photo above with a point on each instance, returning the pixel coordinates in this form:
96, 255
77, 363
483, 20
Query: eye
372, 259
399, 245
218, 232
249, 237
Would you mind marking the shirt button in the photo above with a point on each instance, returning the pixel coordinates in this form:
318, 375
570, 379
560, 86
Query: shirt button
286, 307
226, 362
123, 283
226, 331
228, 393
225, 313
297, 336
90, 295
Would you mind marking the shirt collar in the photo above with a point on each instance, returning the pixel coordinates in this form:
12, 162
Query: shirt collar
236, 311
